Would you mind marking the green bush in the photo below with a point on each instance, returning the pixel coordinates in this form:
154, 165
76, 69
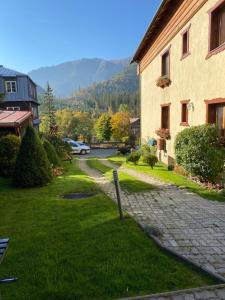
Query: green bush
62, 148
51, 154
199, 151
134, 157
32, 165
150, 159
124, 150
170, 167
9, 148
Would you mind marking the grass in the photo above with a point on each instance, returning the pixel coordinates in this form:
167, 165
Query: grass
79, 250
161, 172
127, 182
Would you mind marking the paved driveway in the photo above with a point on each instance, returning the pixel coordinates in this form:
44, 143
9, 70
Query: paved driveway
101, 153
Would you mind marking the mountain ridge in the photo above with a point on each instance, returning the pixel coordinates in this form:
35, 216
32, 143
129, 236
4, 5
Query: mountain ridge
68, 77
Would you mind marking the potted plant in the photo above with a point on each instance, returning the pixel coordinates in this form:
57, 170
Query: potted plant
163, 81
163, 133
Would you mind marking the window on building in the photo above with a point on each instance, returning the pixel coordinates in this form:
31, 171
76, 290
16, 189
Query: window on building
165, 117
34, 111
215, 112
10, 86
184, 113
217, 37
166, 64
185, 42
13, 108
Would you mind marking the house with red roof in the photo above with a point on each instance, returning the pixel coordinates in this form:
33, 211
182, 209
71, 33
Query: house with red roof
20, 96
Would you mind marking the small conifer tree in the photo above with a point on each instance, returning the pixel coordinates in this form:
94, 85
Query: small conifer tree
32, 165
48, 111
51, 154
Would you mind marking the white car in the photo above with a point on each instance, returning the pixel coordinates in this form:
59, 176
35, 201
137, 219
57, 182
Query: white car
78, 147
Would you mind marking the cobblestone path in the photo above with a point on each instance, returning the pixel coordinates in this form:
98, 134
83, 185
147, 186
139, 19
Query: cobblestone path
180, 221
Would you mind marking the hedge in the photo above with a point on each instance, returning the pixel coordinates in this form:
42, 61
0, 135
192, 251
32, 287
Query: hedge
199, 151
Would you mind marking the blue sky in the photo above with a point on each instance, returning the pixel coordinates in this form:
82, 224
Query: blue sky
37, 33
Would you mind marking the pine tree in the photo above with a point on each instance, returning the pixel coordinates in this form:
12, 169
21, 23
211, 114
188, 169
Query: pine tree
32, 165
48, 111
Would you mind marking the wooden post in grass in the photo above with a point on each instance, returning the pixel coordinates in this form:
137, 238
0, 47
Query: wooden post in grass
116, 181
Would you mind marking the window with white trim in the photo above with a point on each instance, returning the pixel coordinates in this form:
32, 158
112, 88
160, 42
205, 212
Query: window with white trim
13, 108
10, 87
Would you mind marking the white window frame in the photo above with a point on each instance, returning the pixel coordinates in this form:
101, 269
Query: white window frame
14, 108
11, 89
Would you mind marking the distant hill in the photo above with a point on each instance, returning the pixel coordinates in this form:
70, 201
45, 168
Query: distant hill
70, 76
124, 82
122, 88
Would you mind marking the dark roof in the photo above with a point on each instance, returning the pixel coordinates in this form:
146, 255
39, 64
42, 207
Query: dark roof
9, 73
5, 72
157, 24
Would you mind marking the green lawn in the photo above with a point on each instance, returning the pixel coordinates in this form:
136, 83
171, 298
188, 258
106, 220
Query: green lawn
127, 182
68, 250
161, 172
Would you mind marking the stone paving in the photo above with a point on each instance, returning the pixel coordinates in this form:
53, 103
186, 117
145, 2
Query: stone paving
179, 220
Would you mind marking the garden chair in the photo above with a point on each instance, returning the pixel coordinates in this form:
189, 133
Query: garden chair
3, 247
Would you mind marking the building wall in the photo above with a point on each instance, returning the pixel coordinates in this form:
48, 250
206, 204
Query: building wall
22, 89
194, 78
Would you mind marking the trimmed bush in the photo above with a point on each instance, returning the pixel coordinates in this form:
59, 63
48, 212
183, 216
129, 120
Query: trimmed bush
32, 165
150, 159
63, 149
199, 151
134, 157
9, 148
124, 150
51, 154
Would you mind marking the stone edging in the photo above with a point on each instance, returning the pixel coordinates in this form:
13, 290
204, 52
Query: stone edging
180, 292
181, 257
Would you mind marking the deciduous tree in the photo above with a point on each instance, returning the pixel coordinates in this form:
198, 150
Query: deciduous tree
121, 126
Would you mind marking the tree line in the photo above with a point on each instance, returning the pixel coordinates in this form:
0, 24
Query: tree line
84, 125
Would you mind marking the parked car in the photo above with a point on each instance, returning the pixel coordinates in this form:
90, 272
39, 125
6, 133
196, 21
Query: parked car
77, 147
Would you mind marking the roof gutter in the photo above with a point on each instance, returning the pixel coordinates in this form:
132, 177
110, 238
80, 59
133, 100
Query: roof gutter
148, 32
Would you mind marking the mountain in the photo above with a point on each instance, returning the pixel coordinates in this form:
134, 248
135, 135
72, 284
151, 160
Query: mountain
125, 81
70, 76
122, 88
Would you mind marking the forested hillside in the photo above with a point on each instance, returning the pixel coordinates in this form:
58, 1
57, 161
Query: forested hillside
68, 77
121, 89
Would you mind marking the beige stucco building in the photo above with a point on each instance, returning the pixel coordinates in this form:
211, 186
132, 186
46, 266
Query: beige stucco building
183, 53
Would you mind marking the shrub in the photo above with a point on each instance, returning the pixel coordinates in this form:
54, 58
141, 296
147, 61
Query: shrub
124, 150
199, 152
32, 165
170, 167
51, 154
63, 149
150, 159
9, 148
134, 157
